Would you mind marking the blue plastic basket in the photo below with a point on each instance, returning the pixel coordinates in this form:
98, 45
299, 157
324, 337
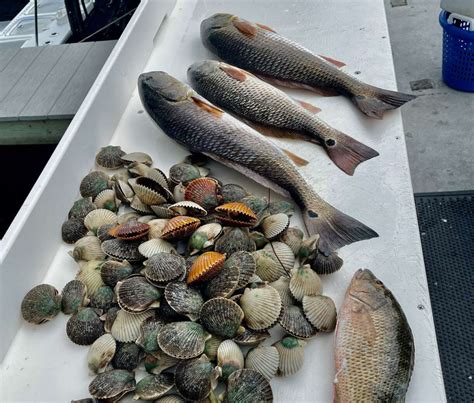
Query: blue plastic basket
458, 55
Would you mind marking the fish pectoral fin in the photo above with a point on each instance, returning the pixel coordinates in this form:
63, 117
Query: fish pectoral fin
234, 72
334, 62
214, 110
309, 107
266, 28
299, 161
246, 27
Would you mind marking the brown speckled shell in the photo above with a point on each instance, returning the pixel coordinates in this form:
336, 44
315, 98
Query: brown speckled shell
180, 227
84, 327
40, 304
295, 323
203, 191
221, 317
112, 384
135, 294
194, 378
183, 340
247, 385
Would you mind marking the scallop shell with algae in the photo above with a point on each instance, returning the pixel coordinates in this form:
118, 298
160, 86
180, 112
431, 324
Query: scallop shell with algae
282, 254
107, 200
204, 237
203, 191
183, 172
148, 333
268, 268
231, 192
101, 353
89, 274
229, 358
103, 298
295, 323
246, 264
135, 294
129, 231
281, 206
212, 344
73, 229
94, 183
109, 157
98, 217
74, 296
205, 267
261, 306
158, 362
234, 239
81, 208
184, 299
304, 281
264, 359
236, 214
182, 340
112, 384
180, 227
41, 304
163, 267
293, 237
126, 327
247, 386
122, 250
251, 338
152, 387
127, 356
291, 355
222, 317
274, 225
112, 271
153, 246
320, 311
282, 285
84, 327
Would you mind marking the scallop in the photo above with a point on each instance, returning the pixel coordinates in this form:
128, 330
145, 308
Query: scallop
248, 386
152, 387
268, 268
142, 158
251, 338
264, 359
320, 311
291, 355
126, 357
122, 250
129, 231
157, 362
109, 157
261, 306
246, 264
282, 285
112, 384
204, 237
194, 379
87, 248
103, 232
84, 327
229, 358
281, 206
236, 214
162, 210
135, 294
190, 208
283, 254
103, 298
74, 296
183, 340
231, 192
309, 248
293, 237
224, 283
258, 205
140, 207
89, 274
136, 169
180, 227
184, 173
101, 353
109, 318
323, 264
205, 267
294, 322
164, 267
94, 183
203, 191
274, 225
153, 246
168, 314
123, 191
184, 299
221, 317
81, 208
73, 229
304, 281
148, 333
113, 271
159, 177
234, 240
98, 217
107, 200
126, 327
149, 192
41, 304
156, 227
212, 344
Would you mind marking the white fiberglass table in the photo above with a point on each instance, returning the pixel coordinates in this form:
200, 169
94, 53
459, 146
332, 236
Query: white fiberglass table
41, 364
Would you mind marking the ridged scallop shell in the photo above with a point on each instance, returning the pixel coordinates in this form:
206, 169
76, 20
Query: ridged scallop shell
122, 250
321, 312
163, 267
103, 298
149, 192
183, 172
212, 344
203, 191
246, 264
140, 207
157, 362
304, 281
322, 264
153, 246
101, 353
168, 314
183, 340
40, 304
123, 191
84, 327
148, 333
74, 296
236, 214
224, 283
283, 253
229, 358
247, 386
113, 271
258, 205
97, 218
81, 208
308, 249
221, 317
204, 237
188, 208
281, 206
293, 237
109, 157
103, 232
295, 323
267, 267
73, 229
264, 359
180, 227
152, 387
162, 210
87, 248
196, 378
274, 225
184, 299
170, 399
159, 177
129, 231
142, 158
291, 355
89, 274
94, 183
127, 356
109, 318
112, 384
282, 285
205, 267
135, 294
126, 327
251, 338
262, 306
234, 239
231, 192
107, 200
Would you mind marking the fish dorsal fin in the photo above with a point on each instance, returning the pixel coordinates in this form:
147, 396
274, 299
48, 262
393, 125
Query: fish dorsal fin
309, 107
234, 72
365, 324
299, 161
246, 27
213, 110
266, 28
335, 62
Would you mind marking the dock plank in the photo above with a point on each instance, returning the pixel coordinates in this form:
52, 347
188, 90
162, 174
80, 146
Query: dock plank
6, 55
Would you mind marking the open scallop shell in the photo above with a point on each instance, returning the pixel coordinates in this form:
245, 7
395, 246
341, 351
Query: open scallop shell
182, 340
274, 225
135, 294
196, 378
159, 177
123, 191
293, 237
129, 231
180, 227
258, 205
264, 359
203, 191
224, 283
40, 304
122, 250
152, 387
323, 264
304, 281
229, 358
112, 384
184, 299
163, 267
140, 207
126, 327
282, 253
89, 274
101, 353
98, 217
204, 237
236, 214
291, 355
188, 208
205, 267
262, 306
247, 385
282, 285
320, 311
162, 210
268, 268
221, 317
149, 192
295, 323
153, 246
84, 327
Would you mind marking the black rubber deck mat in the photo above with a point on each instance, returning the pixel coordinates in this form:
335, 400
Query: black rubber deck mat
446, 222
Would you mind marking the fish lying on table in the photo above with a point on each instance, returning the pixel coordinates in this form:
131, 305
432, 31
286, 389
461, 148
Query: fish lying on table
200, 126
375, 350
260, 50
274, 113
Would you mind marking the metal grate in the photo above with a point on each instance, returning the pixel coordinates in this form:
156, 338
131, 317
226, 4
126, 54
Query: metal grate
446, 222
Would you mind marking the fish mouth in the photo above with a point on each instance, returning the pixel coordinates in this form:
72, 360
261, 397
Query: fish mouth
161, 84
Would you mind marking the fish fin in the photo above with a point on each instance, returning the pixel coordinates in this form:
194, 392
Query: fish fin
309, 107
323, 264
213, 110
380, 101
325, 92
299, 161
234, 72
335, 228
335, 62
275, 132
266, 28
246, 27
346, 152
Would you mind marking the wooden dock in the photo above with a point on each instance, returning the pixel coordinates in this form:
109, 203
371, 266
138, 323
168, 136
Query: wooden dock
42, 88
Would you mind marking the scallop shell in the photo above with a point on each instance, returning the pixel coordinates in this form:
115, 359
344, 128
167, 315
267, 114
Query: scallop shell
203, 191
135, 294
103, 232
140, 157
156, 227
204, 237
267, 267
101, 353
184, 299
126, 327
291, 355
259, 239
130, 230
248, 386
236, 214
294, 322
103, 298
283, 254
149, 192
282, 285
320, 311
188, 208
73, 229
210, 349
84, 327
89, 274
109, 318
251, 338
152, 387
323, 264
258, 205
293, 237
112, 384
274, 225
304, 281
123, 191
180, 227
159, 177
233, 240
264, 359
246, 264
40, 304
81, 208
87, 248
206, 266
196, 378
121, 174
109, 157
97, 218
224, 283
164, 267
170, 399
106, 200
127, 356
74, 296
221, 317
168, 314
281, 206
153, 246
136, 169
148, 333
113, 271
122, 250
183, 340
309, 248
130, 216
232, 193
262, 306
162, 210
94, 183
229, 358
140, 207
157, 362
184, 173
178, 192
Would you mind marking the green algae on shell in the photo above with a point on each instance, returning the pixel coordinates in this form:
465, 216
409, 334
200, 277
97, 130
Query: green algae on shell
94, 183
221, 317
152, 387
194, 379
291, 355
103, 298
127, 356
148, 334
84, 327
73, 229
41, 304
229, 358
184, 299
248, 386
112, 384
112, 271
183, 340
81, 208
74, 296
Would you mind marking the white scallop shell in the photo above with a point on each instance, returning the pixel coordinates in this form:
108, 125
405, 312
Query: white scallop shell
267, 267
156, 227
89, 274
283, 254
320, 311
146, 218
293, 237
291, 354
274, 225
126, 327
154, 246
87, 248
140, 157
282, 285
97, 218
158, 176
264, 359
146, 195
261, 306
229, 353
101, 353
187, 207
305, 281
107, 200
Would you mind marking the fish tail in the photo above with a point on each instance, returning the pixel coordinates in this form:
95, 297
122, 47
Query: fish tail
335, 228
379, 100
346, 152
